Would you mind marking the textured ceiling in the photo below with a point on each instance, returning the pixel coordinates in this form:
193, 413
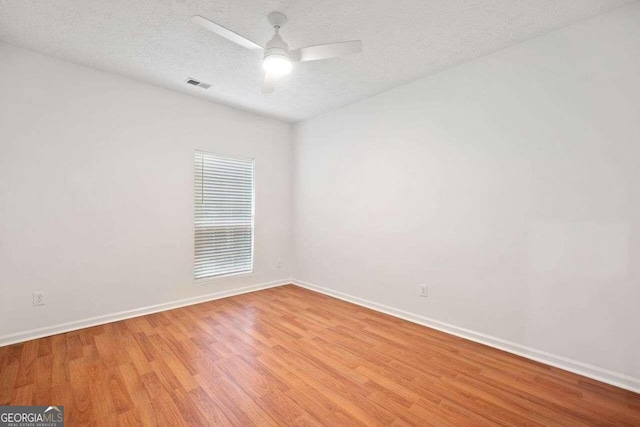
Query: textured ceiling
155, 42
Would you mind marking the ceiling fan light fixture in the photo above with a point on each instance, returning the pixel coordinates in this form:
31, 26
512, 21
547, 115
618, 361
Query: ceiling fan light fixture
277, 65
277, 62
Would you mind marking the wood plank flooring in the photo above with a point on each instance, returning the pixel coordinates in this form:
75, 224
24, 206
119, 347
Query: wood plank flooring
289, 356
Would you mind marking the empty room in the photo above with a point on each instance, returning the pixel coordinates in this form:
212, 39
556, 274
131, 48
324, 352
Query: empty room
319, 213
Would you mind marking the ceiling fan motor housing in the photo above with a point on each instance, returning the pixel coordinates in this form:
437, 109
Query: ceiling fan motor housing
276, 47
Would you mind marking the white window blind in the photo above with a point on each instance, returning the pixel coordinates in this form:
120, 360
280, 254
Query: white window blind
223, 215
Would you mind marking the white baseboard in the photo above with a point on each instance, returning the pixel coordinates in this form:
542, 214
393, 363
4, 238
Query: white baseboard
584, 369
128, 314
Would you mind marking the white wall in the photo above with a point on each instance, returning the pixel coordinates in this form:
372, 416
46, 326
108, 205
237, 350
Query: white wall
510, 185
96, 191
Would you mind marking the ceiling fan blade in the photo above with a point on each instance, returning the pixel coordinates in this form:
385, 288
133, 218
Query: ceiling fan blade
270, 81
326, 51
222, 31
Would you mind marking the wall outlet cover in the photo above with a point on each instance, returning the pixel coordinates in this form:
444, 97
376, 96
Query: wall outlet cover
38, 298
424, 291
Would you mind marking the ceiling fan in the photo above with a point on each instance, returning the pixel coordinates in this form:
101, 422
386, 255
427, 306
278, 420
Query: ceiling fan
277, 56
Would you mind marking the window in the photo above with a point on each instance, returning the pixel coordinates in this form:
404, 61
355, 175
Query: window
223, 215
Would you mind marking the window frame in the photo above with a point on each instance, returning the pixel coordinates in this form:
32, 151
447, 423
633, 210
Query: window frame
208, 279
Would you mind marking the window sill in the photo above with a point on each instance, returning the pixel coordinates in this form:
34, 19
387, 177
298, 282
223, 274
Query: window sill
215, 279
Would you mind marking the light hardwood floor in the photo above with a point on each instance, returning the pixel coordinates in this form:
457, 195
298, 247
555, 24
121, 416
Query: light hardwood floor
289, 356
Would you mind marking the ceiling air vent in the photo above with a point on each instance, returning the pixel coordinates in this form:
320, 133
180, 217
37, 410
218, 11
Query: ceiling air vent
198, 83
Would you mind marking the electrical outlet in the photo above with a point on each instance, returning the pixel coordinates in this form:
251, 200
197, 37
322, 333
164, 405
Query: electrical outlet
279, 263
38, 298
424, 291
